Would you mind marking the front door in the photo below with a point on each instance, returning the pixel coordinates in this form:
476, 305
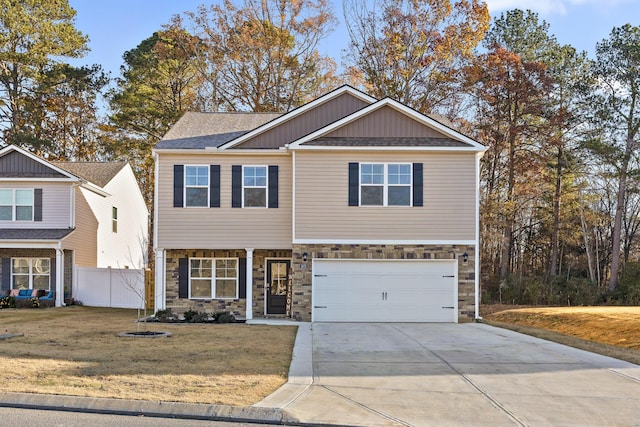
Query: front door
277, 286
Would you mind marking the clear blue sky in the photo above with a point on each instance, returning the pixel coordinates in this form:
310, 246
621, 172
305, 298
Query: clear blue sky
115, 26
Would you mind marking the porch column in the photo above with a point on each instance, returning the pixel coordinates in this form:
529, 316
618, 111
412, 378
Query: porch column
249, 310
59, 278
160, 301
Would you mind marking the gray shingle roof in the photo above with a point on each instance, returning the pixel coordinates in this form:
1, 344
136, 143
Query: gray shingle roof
202, 130
99, 173
386, 142
34, 234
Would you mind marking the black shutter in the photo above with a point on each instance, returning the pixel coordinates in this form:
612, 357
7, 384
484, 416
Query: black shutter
417, 184
214, 186
242, 278
354, 184
37, 204
273, 186
178, 186
52, 274
183, 278
236, 186
6, 273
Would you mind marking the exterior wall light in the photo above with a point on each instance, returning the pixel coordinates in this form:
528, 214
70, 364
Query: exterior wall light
305, 256
465, 257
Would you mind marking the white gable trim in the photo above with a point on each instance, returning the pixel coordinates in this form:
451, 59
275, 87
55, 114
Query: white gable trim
425, 120
40, 160
298, 111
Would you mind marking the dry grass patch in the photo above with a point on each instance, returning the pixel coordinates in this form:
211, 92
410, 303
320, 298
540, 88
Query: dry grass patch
612, 331
75, 351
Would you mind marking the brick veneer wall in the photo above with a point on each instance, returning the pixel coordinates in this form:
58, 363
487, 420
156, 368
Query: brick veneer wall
43, 253
235, 306
302, 274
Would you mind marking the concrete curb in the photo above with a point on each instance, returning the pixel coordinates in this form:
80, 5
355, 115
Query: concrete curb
143, 408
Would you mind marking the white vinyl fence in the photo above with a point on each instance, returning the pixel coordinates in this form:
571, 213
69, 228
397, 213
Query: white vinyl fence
109, 287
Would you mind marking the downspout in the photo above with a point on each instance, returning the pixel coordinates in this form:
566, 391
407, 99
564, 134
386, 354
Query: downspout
477, 240
159, 292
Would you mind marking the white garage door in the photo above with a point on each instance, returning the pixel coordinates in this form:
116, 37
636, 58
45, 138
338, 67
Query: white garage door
385, 291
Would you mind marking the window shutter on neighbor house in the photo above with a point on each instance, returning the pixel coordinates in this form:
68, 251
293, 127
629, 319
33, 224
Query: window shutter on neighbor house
273, 187
37, 204
6, 274
354, 184
183, 278
236, 186
242, 278
417, 184
178, 186
52, 274
214, 186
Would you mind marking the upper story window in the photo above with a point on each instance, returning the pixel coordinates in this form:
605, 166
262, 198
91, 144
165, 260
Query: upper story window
196, 186
254, 186
16, 204
385, 184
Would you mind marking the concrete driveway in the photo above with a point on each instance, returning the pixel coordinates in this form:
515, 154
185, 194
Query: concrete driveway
448, 374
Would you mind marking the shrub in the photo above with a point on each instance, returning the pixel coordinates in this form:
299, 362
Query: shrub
193, 316
7, 302
224, 317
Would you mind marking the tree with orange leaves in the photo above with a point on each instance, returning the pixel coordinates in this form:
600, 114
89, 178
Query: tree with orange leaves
413, 50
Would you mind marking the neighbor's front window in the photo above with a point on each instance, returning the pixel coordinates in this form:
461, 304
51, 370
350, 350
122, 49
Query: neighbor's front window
16, 204
385, 184
30, 273
254, 180
213, 278
196, 188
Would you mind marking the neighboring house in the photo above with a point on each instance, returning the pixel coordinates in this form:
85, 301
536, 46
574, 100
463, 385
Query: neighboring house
345, 209
55, 216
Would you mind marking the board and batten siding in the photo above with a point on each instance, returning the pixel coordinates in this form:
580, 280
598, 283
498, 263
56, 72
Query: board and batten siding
56, 205
224, 227
84, 240
306, 123
322, 207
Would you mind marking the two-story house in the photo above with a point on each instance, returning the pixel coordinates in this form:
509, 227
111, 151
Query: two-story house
348, 208
58, 215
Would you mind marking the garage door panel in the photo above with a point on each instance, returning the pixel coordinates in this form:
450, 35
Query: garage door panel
386, 291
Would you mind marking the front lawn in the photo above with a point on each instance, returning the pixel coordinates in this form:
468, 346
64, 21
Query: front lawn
612, 331
76, 351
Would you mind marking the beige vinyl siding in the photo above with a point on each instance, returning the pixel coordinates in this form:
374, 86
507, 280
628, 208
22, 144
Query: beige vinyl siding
322, 211
307, 122
383, 123
84, 240
224, 227
56, 205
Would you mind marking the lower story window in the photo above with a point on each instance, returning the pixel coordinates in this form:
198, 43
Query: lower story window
30, 273
213, 278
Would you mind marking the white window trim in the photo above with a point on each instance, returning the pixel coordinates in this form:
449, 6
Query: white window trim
385, 185
185, 186
31, 274
266, 186
114, 219
213, 278
14, 205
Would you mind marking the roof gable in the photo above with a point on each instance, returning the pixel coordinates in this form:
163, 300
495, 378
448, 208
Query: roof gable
327, 109
388, 123
18, 163
98, 173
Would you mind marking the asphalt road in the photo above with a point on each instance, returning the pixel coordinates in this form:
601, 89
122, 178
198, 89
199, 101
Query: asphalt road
10, 417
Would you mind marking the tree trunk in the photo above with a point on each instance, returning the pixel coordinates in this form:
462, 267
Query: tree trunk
555, 237
587, 245
617, 223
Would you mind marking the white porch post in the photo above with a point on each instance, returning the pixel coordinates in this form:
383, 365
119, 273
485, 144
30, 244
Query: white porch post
59, 277
159, 286
249, 310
